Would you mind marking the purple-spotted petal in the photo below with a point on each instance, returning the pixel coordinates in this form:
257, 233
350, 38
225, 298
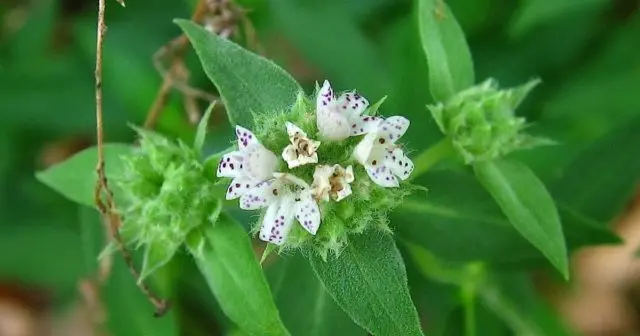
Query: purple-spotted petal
231, 165
392, 128
238, 187
363, 149
277, 221
399, 163
364, 124
332, 125
260, 196
325, 99
245, 138
381, 175
352, 104
307, 211
260, 163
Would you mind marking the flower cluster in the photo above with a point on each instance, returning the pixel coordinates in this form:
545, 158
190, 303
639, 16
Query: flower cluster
322, 148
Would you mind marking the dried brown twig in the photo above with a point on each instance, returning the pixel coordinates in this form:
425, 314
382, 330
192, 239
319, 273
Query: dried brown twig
220, 17
107, 209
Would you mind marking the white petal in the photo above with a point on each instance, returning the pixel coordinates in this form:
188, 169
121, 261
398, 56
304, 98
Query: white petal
380, 174
364, 148
292, 130
321, 185
344, 192
307, 211
348, 174
392, 128
351, 104
245, 138
289, 155
399, 163
230, 165
364, 124
260, 196
332, 126
238, 187
277, 221
260, 163
303, 160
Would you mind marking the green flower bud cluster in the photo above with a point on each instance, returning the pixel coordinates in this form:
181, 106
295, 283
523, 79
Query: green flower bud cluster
481, 123
164, 195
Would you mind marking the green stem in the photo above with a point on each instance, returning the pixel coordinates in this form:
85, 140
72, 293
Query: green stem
430, 156
468, 298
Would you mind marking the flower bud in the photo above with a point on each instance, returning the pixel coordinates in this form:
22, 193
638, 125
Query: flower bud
481, 121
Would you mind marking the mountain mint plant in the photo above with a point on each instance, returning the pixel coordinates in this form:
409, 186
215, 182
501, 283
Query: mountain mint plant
343, 183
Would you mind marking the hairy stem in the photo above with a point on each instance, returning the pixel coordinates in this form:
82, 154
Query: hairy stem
432, 155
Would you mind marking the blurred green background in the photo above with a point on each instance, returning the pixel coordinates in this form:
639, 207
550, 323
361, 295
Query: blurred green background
587, 53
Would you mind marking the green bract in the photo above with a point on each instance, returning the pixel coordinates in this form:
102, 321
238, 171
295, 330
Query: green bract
481, 123
165, 195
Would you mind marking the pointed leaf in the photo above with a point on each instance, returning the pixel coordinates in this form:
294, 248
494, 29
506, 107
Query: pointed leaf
130, 312
601, 181
76, 177
156, 255
296, 289
527, 204
231, 269
248, 83
368, 280
201, 132
448, 55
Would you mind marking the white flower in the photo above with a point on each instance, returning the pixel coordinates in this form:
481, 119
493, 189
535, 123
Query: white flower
332, 181
286, 198
302, 150
248, 166
382, 159
340, 118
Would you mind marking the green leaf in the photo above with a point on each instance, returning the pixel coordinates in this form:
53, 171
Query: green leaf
249, 84
533, 13
296, 290
76, 177
448, 55
231, 269
368, 280
201, 132
156, 255
513, 298
130, 312
462, 227
603, 177
525, 201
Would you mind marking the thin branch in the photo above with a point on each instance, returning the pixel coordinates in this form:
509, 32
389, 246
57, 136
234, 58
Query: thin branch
113, 220
178, 46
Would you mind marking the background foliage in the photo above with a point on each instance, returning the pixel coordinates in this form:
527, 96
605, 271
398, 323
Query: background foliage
585, 53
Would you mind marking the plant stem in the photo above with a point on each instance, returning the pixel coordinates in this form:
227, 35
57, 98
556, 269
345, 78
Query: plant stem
468, 298
431, 156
